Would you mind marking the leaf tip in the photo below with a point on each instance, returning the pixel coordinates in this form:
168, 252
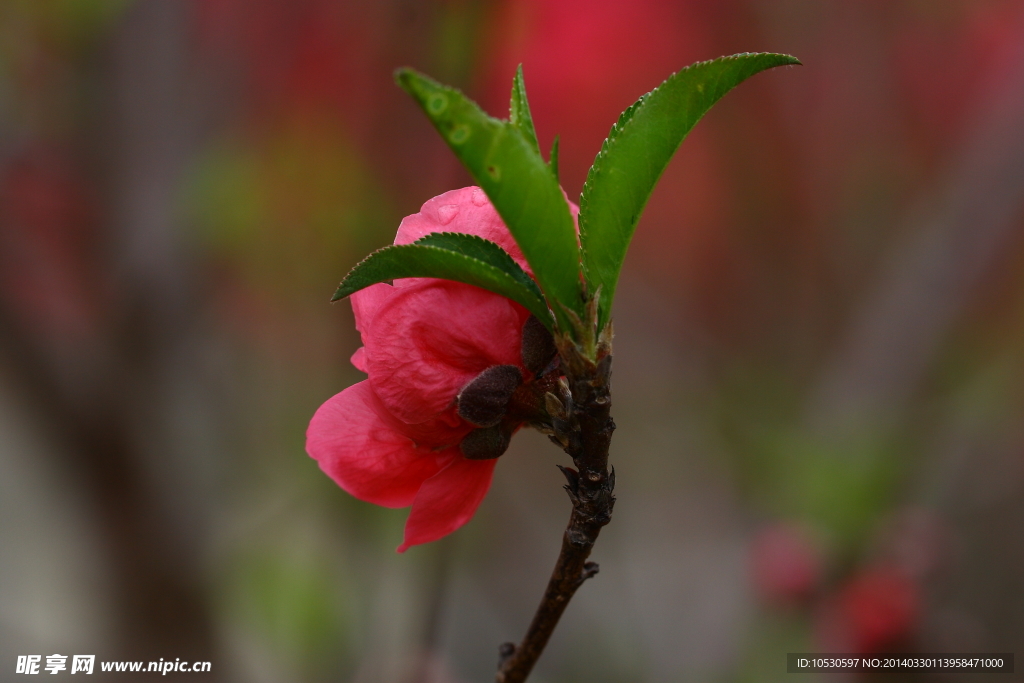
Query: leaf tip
413, 82
787, 60
402, 75
553, 158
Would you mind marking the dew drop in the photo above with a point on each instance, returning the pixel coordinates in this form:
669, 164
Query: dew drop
447, 212
437, 103
459, 134
700, 87
479, 197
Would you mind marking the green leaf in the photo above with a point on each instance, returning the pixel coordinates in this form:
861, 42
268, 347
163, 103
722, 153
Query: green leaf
450, 256
482, 250
520, 185
553, 158
638, 148
519, 110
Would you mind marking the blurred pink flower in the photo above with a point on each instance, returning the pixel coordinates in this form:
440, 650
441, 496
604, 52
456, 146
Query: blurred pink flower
399, 437
785, 563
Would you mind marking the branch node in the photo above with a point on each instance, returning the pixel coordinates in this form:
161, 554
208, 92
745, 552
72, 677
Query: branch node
505, 652
604, 371
571, 476
575, 499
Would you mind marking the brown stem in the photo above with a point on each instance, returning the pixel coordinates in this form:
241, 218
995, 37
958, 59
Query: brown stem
583, 427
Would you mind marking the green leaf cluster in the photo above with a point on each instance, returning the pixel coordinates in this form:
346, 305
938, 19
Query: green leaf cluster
504, 159
576, 277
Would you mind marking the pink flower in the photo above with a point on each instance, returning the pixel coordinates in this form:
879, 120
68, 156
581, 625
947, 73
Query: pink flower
786, 564
443, 360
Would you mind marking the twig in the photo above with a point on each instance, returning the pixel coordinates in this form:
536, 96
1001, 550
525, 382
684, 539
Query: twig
583, 427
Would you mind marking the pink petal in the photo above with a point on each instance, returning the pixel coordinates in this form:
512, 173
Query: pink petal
468, 211
372, 455
359, 359
365, 303
447, 500
432, 337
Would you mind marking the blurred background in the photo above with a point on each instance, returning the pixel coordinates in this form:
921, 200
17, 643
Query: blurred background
819, 376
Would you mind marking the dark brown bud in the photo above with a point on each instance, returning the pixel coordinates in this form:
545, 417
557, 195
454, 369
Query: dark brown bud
486, 443
554, 407
538, 345
484, 401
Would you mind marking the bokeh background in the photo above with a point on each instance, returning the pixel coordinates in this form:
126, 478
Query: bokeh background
819, 374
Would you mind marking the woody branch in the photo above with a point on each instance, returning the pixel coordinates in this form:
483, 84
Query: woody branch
582, 425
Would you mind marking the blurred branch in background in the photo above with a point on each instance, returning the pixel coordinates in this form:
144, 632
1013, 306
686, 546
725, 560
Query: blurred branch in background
956, 235
112, 387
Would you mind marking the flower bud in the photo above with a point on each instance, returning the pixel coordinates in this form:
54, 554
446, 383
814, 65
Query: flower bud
538, 345
486, 443
484, 401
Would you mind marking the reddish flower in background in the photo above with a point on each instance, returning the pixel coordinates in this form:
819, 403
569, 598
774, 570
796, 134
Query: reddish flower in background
408, 435
46, 217
877, 609
589, 51
785, 564
881, 607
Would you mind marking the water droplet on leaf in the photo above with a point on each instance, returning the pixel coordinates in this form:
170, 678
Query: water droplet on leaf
437, 103
459, 134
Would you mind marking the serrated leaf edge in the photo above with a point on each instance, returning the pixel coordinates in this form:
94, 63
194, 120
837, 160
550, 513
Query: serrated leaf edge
523, 124
526, 280
624, 120
539, 306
